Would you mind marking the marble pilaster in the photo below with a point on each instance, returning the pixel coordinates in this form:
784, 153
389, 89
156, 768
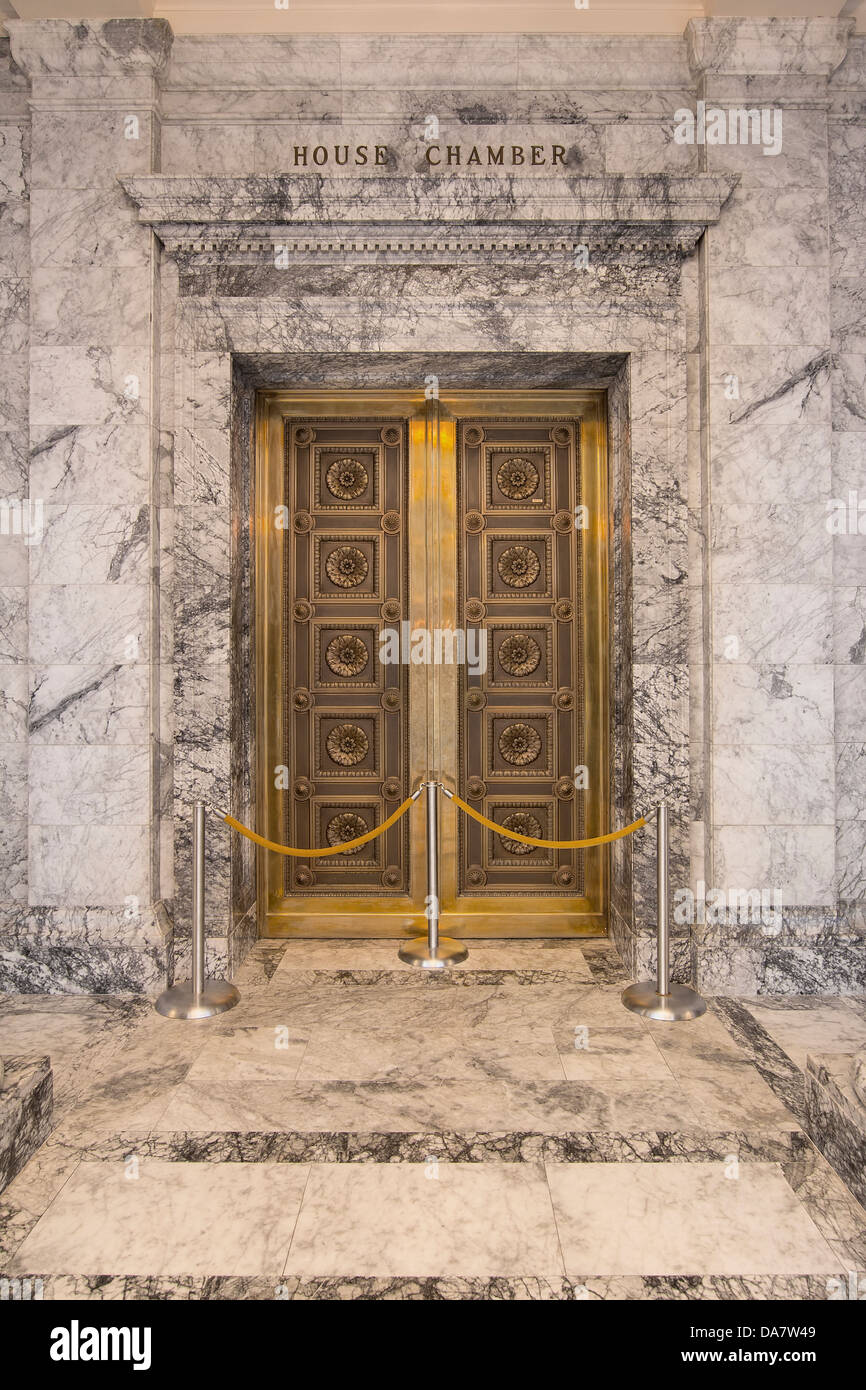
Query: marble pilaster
93, 409
768, 354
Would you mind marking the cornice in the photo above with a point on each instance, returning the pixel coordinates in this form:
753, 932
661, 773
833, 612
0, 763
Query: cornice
235, 219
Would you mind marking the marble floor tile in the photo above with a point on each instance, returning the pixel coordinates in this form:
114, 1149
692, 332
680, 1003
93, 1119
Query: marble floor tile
602, 1054
736, 1097
840, 1218
132, 1095
688, 1218
725, 1087
598, 1007
640, 1104
174, 1218
303, 1002
701, 1045
784, 1078
519, 1054
250, 1054
258, 967
426, 1220
527, 955
604, 961
803, 1026
31, 1193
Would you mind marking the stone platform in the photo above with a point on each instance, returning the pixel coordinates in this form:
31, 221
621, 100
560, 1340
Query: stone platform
356, 1129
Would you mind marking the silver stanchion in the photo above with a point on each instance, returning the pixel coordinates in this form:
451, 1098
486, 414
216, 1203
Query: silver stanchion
433, 952
200, 998
659, 999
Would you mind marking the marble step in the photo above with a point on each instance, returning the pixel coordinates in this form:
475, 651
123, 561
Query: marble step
514, 1289
452, 1146
552, 1228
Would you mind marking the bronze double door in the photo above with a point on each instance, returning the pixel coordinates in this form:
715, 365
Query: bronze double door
431, 596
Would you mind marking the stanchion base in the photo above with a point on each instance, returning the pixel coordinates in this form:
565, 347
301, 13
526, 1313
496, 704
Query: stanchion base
448, 952
682, 1002
181, 1002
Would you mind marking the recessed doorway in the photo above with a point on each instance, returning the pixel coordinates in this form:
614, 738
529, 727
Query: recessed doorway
431, 586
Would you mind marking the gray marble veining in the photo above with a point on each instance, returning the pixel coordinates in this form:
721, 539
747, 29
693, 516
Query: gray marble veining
130, 361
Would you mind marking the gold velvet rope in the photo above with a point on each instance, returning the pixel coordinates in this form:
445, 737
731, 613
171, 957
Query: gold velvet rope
318, 853
401, 810
544, 844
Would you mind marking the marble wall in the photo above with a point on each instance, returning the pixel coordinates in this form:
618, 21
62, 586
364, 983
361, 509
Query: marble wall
782, 280
145, 180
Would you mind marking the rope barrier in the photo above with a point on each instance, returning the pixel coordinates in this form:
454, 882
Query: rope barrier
319, 853
501, 830
544, 844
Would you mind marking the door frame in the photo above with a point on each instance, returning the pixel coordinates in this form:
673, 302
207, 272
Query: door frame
344, 916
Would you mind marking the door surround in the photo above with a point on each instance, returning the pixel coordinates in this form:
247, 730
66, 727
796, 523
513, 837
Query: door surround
237, 321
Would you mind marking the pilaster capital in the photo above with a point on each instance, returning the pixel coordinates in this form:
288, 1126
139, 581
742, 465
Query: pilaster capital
88, 48
751, 48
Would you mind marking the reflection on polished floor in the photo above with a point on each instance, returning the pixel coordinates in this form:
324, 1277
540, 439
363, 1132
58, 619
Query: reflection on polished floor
357, 1129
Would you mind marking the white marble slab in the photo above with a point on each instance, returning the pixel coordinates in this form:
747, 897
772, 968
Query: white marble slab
453, 1104
602, 1054
519, 1054
657, 1218
173, 1218
426, 1219
249, 1054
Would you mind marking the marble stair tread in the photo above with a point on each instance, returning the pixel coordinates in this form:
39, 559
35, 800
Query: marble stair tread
454, 1105
548, 1220
369, 1000
484, 955
332, 1054
491, 1059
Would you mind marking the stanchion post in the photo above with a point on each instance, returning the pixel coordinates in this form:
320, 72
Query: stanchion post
659, 999
663, 953
433, 868
432, 952
201, 998
198, 815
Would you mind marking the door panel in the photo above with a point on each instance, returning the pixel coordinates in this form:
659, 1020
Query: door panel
521, 722
347, 721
